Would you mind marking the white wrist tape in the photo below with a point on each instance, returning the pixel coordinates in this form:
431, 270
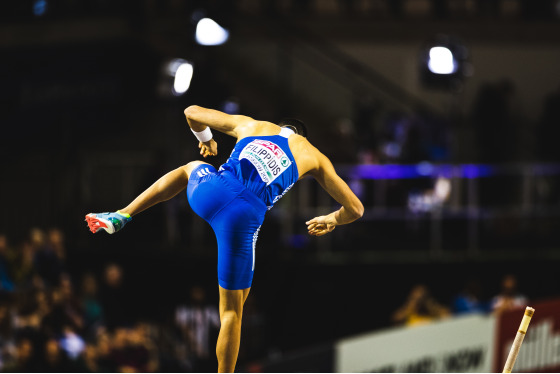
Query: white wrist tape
204, 135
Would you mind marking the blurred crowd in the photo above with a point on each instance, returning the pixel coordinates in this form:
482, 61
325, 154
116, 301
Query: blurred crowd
383, 136
50, 322
421, 307
47, 324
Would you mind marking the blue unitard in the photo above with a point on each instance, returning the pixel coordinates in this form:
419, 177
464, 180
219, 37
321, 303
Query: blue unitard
234, 200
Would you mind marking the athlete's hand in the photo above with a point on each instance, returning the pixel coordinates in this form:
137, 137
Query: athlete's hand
321, 225
209, 148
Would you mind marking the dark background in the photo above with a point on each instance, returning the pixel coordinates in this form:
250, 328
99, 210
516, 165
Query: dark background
88, 122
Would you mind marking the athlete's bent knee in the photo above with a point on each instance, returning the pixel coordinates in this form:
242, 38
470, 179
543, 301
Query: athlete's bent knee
188, 168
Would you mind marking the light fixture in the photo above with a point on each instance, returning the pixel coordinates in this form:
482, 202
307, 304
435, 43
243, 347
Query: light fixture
175, 78
209, 32
183, 78
442, 61
182, 73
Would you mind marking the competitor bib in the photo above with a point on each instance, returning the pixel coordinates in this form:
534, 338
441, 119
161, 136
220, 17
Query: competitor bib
268, 159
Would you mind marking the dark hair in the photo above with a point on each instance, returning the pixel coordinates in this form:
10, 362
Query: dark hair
294, 124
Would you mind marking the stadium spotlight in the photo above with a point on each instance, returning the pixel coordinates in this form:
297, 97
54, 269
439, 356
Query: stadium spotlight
183, 78
441, 61
182, 73
209, 32
444, 63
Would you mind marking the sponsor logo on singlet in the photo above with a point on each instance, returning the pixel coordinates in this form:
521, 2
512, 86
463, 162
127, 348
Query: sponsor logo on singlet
268, 159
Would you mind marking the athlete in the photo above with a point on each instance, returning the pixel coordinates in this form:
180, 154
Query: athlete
265, 163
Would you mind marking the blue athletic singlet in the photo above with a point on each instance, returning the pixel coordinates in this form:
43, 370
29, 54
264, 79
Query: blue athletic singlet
265, 165
234, 200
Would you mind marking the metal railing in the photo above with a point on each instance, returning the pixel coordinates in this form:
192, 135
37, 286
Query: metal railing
454, 211
420, 212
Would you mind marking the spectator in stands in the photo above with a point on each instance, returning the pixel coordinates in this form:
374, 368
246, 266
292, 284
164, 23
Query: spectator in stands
142, 343
102, 353
129, 351
55, 242
72, 343
65, 311
115, 300
509, 298
420, 308
198, 324
55, 360
5, 322
6, 334
23, 267
90, 304
25, 358
468, 301
6, 281
47, 262
90, 359
28, 319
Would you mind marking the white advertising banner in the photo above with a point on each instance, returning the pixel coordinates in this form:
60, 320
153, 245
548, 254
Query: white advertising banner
464, 344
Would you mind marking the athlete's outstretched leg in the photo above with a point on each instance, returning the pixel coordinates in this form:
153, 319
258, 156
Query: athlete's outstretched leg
231, 311
162, 190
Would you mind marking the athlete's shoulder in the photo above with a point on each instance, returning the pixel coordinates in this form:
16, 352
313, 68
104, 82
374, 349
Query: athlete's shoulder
257, 128
301, 145
308, 157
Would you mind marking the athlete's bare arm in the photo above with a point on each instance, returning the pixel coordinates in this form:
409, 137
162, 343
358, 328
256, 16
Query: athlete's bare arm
237, 126
199, 117
312, 162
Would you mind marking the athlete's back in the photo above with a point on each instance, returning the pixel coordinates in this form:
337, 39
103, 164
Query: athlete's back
309, 161
265, 165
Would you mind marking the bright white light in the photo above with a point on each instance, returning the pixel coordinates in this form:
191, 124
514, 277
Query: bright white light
441, 61
183, 76
442, 189
72, 344
208, 32
174, 64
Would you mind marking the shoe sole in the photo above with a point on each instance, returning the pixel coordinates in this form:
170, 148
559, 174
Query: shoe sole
95, 224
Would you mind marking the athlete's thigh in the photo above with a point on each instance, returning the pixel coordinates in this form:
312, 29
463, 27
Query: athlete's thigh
236, 227
193, 165
232, 299
206, 192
